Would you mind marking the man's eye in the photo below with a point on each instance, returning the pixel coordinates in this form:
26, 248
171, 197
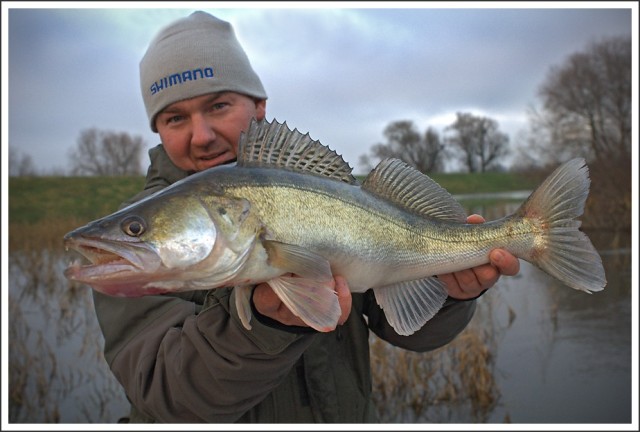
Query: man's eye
174, 119
218, 106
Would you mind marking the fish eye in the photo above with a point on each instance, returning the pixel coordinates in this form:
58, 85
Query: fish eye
133, 226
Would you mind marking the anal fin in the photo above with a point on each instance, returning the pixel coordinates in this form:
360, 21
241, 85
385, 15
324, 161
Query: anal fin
409, 305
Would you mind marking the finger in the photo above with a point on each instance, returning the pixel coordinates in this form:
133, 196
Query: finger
286, 317
466, 284
265, 300
475, 219
451, 284
269, 304
504, 262
467, 279
344, 298
486, 276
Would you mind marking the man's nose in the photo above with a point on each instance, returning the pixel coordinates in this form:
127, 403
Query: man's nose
202, 133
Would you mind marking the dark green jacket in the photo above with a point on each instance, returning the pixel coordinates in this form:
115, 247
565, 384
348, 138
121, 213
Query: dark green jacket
187, 358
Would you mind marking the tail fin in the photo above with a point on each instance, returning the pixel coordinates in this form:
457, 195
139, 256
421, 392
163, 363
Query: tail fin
566, 253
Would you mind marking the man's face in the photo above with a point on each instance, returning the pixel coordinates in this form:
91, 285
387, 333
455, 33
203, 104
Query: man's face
204, 131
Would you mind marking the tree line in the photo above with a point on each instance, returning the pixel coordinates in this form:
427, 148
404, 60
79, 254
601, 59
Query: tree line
477, 140
586, 111
96, 153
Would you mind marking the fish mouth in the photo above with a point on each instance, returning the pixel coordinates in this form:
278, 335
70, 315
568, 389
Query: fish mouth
103, 260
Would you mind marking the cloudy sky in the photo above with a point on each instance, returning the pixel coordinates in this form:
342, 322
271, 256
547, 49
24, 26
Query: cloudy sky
341, 74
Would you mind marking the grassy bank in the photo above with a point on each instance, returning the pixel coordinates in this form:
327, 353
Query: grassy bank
34, 199
43, 209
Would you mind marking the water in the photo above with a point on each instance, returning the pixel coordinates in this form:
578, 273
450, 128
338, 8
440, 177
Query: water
565, 356
562, 356
57, 373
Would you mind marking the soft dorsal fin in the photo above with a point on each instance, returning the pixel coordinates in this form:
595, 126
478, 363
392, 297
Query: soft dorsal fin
407, 187
274, 145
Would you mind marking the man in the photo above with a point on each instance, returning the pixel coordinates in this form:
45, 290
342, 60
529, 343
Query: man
186, 357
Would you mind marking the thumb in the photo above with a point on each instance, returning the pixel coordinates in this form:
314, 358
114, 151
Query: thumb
344, 298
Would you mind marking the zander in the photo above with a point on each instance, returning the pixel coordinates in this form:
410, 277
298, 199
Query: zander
291, 214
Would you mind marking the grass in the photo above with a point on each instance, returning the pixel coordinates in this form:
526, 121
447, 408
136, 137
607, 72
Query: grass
43, 209
34, 199
490, 182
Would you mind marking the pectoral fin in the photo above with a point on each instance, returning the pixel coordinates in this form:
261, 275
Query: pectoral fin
243, 304
409, 305
309, 294
297, 260
314, 302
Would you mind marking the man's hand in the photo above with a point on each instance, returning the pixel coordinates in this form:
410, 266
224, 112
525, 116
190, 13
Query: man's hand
470, 283
270, 305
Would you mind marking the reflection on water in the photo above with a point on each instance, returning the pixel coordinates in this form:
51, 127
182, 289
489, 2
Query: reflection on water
57, 372
562, 356
565, 356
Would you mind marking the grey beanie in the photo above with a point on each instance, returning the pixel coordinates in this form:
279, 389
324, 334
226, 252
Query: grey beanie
191, 57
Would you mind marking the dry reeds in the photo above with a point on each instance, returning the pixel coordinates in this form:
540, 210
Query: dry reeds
454, 383
57, 372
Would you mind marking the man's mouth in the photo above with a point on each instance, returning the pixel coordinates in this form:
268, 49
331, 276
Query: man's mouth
211, 157
216, 159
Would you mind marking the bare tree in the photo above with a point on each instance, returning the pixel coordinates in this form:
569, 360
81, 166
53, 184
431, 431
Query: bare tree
435, 151
586, 112
424, 152
480, 141
20, 164
106, 153
587, 102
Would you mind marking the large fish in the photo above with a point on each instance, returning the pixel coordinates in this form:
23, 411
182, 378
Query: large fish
291, 214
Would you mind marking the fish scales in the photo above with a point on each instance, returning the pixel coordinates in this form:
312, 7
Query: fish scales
342, 221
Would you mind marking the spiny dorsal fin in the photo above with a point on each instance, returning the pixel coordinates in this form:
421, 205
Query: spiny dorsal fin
409, 188
274, 145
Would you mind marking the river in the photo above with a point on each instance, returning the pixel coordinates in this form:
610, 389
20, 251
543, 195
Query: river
566, 357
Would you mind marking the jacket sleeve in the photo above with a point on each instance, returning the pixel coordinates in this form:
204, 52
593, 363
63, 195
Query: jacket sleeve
187, 357
437, 332
180, 365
